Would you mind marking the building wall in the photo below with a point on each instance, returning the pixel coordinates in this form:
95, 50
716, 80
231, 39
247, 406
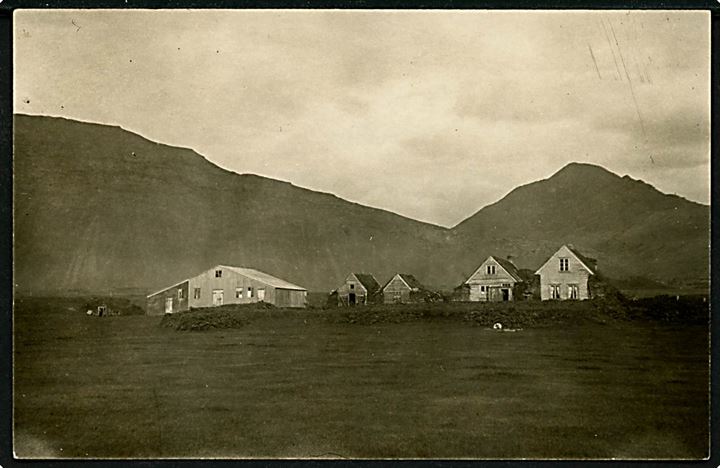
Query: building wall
396, 286
290, 298
352, 285
550, 274
493, 283
229, 282
156, 302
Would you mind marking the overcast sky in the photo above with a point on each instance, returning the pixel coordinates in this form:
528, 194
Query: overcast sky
428, 114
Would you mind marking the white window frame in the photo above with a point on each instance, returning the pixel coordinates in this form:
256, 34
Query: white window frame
218, 273
573, 288
564, 264
239, 292
554, 291
196, 293
180, 293
249, 292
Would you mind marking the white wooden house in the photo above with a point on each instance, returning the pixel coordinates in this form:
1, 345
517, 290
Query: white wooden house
493, 281
565, 275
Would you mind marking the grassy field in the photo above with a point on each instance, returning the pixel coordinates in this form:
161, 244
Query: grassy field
296, 384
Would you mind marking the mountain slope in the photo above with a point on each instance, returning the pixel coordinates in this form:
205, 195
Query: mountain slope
98, 207
630, 226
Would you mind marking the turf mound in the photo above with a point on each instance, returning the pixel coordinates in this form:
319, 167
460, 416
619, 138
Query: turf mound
204, 319
686, 310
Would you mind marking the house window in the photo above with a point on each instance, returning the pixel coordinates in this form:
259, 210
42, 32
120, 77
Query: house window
572, 291
261, 294
397, 295
181, 295
506, 285
352, 286
554, 291
491, 269
196, 293
238, 293
563, 264
482, 289
218, 273
249, 292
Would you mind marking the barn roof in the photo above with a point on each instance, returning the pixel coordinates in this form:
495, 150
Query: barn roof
250, 273
368, 281
264, 278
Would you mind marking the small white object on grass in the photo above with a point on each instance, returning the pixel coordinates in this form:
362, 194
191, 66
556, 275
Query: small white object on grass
497, 326
89, 312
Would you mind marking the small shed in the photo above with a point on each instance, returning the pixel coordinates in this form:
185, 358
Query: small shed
404, 288
358, 289
461, 293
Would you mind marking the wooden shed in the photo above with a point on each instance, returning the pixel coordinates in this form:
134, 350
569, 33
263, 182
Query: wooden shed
358, 289
404, 288
226, 285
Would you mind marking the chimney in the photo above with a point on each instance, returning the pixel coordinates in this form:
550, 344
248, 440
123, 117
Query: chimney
510, 259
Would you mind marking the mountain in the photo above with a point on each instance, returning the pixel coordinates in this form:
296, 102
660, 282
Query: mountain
631, 227
98, 208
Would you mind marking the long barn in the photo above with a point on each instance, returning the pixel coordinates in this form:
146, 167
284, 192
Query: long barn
225, 285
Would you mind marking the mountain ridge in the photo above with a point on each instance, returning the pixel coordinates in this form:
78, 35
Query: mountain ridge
98, 206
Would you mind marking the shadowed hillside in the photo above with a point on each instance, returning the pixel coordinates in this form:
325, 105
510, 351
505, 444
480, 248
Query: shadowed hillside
100, 208
631, 227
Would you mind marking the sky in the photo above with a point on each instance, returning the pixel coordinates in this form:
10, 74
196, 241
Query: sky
429, 114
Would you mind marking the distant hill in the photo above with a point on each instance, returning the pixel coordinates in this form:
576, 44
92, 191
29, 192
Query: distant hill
631, 227
99, 208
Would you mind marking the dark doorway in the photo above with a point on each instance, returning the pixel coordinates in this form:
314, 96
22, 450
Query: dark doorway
351, 298
505, 294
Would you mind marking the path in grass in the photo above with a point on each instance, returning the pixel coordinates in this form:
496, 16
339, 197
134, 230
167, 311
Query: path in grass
125, 387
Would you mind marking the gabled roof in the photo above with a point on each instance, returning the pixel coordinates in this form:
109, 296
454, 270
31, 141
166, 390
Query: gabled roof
263, 277
409, 280
584, 261
506, 265
587, 261
250, 273
368, 281
509, 267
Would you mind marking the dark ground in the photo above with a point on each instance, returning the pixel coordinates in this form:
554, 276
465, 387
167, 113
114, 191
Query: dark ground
297, 384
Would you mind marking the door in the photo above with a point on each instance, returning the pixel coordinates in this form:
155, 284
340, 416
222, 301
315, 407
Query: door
505, 294
351, 298
261, 294
218, 297
168, 305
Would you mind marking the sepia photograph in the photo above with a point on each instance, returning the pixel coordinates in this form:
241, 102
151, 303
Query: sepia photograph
361, 234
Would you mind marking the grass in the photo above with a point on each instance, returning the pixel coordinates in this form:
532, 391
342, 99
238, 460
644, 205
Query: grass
310, 384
